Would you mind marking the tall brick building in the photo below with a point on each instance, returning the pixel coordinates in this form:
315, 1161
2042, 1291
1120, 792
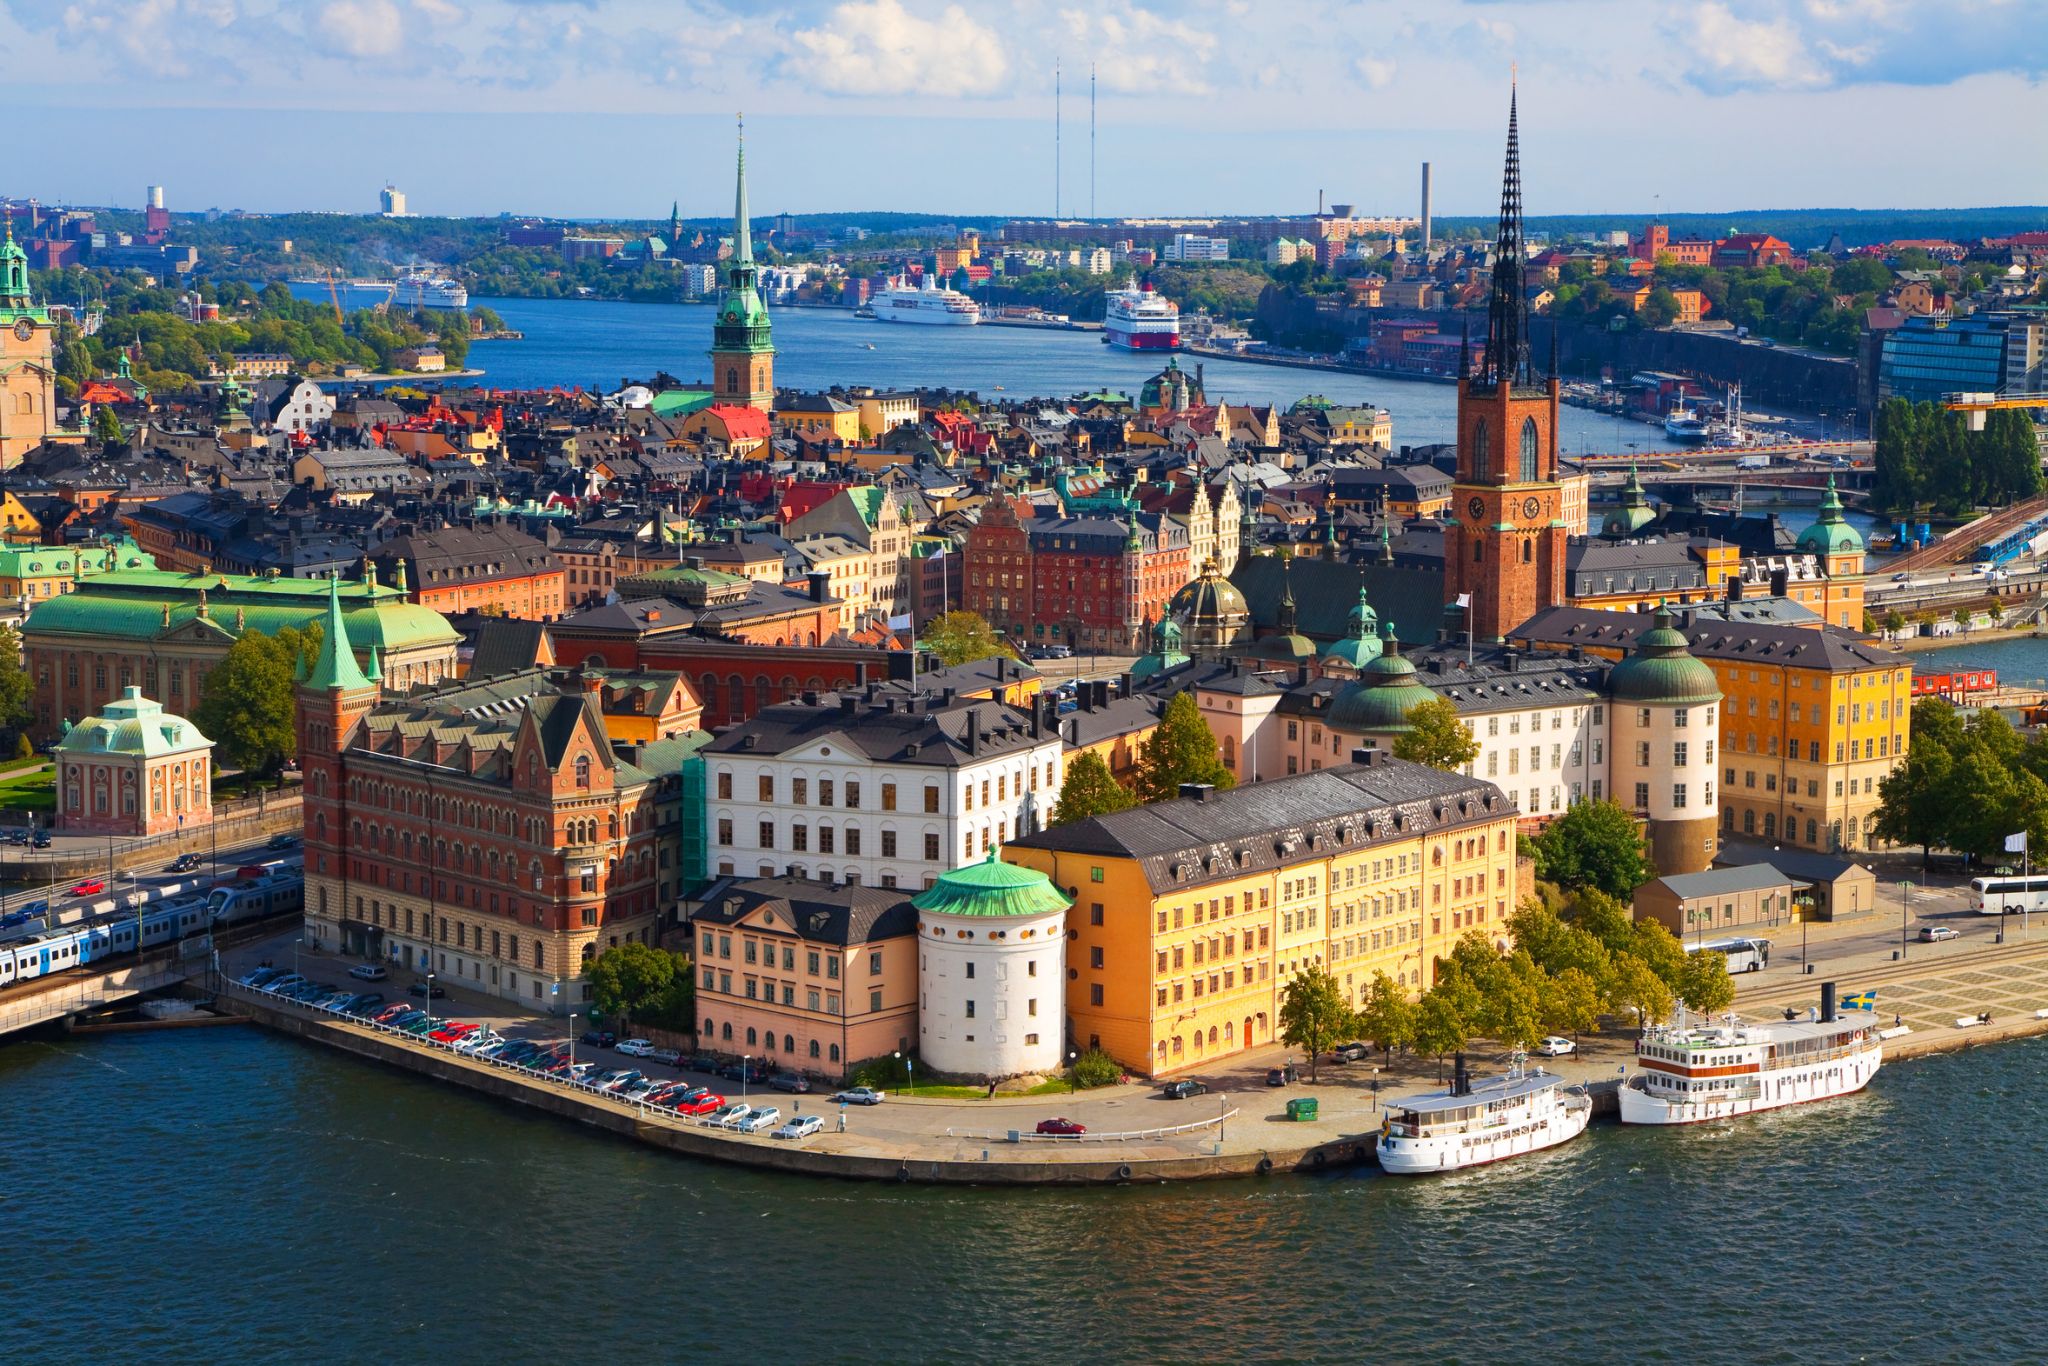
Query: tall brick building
1090, 583
484, 831
1504, 551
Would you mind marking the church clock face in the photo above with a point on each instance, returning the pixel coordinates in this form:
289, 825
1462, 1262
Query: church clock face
25, 329
1477, 507
1531, 506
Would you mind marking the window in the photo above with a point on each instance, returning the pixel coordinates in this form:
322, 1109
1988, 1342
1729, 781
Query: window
1529, 462
1095, 912
1095, 956
875, 965
852, 795
767, 834
1095, 993
725, 787
931, 848
824, 792
875, 1001
1678, 794
800, 791
724, 831
1642, 794
888, 844
888, 796
931, 799
1678, 752
767, 787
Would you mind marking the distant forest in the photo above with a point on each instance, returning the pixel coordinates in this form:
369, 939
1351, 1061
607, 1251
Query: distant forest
1804, 229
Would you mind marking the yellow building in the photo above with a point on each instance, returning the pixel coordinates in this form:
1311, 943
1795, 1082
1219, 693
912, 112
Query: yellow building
17, 522
30, 573
1191, 916
28, 378
818, 417
1812, 718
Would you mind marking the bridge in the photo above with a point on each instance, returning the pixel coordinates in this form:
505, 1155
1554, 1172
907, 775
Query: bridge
45, 1000
1965, 540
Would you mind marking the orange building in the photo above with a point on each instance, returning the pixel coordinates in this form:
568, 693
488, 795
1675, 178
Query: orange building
482, 569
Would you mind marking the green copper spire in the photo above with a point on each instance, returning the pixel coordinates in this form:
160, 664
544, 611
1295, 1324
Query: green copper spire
742, 234
740, 341
13, 271
1831, 533
336, 667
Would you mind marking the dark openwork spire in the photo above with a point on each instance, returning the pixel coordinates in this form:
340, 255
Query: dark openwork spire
1507, 331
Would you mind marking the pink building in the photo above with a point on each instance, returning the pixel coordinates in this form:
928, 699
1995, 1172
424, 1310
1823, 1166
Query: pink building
135, 769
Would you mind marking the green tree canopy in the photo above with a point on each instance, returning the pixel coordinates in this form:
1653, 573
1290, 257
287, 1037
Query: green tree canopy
1437, 736
1594, 844
248, 701
17, 690
106, 427
1635, 987
1313, 1013
1089, 789
638, 982
1182, 749
1573, 1003
962, 638
1387, 1017
1440, 1028
1704, 984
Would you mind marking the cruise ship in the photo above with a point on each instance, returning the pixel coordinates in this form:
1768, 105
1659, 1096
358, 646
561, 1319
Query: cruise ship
1141, 320
1474, 1123
418, 289
1690, 1071
903, 302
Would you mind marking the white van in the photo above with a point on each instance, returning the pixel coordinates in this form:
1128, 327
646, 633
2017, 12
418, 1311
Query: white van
368, 972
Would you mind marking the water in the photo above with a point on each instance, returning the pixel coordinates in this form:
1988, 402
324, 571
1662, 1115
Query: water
2023, 661
600, 342
231, 1195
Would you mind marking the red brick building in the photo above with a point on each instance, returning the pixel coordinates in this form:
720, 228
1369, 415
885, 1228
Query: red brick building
1090, 583
1752, 249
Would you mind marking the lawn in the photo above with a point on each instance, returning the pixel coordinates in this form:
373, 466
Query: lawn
1055, 1087
30, 792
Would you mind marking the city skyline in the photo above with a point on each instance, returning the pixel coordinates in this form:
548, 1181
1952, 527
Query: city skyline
614, 109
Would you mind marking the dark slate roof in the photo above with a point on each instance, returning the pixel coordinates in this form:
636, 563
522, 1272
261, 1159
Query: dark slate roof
506, 644
894, 731
1191, 842
1796, 647
1749, 877
815, 911
1326, 591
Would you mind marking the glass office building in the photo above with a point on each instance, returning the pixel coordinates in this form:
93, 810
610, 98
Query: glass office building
1926, 358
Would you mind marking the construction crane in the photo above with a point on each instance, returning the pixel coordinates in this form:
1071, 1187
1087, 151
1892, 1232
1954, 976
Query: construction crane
334, 297
383, 306
1974, 406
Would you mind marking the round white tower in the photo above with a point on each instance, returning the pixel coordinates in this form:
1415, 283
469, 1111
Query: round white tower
991, 969
1667, 707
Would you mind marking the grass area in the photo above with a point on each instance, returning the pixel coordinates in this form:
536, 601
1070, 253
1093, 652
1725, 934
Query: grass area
16, 765
1055, 1087
30, 792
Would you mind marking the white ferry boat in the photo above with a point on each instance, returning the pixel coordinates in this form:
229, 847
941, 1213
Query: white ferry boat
1141, 319
1683, 424
421, 289
1693, 1071
902, 302
1478, 1122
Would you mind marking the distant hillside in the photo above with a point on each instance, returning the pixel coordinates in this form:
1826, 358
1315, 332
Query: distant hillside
1803, 228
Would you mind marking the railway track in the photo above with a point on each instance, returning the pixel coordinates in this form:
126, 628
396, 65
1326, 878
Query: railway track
1958, 544
234, 937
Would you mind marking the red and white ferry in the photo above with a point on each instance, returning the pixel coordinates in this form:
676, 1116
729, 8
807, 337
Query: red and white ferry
1141, 319
1692, 1071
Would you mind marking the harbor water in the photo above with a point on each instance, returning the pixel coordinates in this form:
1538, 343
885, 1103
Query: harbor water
231, 1195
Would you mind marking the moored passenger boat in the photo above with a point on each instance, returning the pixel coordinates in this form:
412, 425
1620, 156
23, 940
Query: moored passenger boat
1473, 1123
1690, 1071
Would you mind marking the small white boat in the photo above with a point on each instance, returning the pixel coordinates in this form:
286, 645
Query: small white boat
1473, 1123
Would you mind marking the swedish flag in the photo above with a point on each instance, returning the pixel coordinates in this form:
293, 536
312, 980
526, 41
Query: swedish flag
1862, 1000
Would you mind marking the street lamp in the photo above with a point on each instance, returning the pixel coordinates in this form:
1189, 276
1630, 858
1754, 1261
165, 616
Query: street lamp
909, 1069
744, 1061
430, 1002
1905, 902
1222, 1116
572, 1044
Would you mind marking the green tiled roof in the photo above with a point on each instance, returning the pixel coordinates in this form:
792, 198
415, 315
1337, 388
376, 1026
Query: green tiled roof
992, 888
680, 402
35, 561
133, 725
146, 604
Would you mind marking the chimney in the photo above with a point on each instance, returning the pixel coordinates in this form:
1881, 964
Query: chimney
810, 697
1735, 587
1827, 1002
946, 696
860, 675
1197, 792
1461, 1078
974, 730
821, 583
1779, 579
1098, 693
848, 704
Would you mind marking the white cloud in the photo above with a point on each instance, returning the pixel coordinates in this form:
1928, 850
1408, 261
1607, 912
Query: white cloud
877, 47
363, 28
1138, 52
1729, 51
1374, 71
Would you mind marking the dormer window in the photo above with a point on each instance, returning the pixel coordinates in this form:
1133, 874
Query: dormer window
583, 770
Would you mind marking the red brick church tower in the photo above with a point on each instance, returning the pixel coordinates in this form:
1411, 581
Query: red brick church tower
1504, 551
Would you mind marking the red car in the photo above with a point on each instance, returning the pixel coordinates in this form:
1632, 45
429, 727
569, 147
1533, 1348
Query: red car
702, 1105
1065, 1128
90, 887
449, 1033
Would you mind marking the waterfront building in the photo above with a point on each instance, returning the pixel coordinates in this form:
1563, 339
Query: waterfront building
742, 352
1665, 729
991, 971
1718, 901
485, 831
1191, 916
163, 631
2001, 351
884, 787
814, 976
28, 375
1504, 550
134, 769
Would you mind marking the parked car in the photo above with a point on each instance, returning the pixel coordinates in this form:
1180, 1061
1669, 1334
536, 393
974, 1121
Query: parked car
667, 1056
859, 1095
1182, 1090
369, 972
40, 840
18, 836
183, 863
732, 1115
701, 1062
1350, 1052
1284, 1075
763, 1119
260, 976
684, 1094
1934, 934
599, 1038
281, 842
803, 1126
791, 1082
36, 908
1555, 1047
421, 989
1062, 1128
710, 1102
92, 886
634, 1048
746, 1072
618, 1084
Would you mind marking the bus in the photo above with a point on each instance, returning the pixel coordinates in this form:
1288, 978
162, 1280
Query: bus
2008, 895
1743, 955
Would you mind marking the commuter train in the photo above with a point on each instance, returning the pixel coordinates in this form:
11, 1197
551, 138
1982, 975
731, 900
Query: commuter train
115, 932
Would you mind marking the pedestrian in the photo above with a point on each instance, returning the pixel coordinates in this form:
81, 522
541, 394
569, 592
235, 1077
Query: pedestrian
991, 1090
1898, 1021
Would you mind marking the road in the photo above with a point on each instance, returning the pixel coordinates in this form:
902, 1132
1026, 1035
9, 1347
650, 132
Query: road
154, 886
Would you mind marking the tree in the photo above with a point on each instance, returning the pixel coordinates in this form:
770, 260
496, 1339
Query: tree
1704, 984
634, 980
1439, 1028
247, 704
1182, 749
1637, 988
1094, 1068
1595, 844
962, 638
1573, 1003
17, 691
1894, 622
1660, 309
1386, 1017
1437, 736
1089, 789
106, 427
1313, 1013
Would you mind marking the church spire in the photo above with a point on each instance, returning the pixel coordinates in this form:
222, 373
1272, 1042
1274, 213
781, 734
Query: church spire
1507, 337
742, 239
336, 667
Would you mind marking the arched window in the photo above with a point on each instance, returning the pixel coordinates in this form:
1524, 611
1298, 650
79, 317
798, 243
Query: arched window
833, 1052
814, 1048
1481, 446
1528, 474
1528, 551
709, 1032
732, 380
789, 1043
583, 770
750, 1036
725, 1031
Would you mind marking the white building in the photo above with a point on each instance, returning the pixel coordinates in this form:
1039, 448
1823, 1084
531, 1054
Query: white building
1186, 246
391, 202
886, 789
991, 971
1096, 260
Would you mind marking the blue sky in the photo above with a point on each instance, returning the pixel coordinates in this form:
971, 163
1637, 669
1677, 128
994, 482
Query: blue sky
615, 107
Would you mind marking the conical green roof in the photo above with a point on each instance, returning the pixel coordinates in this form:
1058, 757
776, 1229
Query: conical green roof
1662, 669
992, 888
336, 667
1386, 691
1831, 534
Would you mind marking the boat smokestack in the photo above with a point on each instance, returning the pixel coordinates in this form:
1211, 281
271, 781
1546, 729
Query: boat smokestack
1461, 1079
1827, 1002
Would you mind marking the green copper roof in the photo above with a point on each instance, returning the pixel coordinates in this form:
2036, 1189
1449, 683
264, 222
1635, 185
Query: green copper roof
742, 324
133, 724
681, 402
1362, 646
35, 561
1386, 691
141, 605
336, 667
1831, 534
1662, 669
1635, 511
992, 888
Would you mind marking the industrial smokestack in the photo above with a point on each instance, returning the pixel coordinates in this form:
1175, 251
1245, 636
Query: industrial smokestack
1425, 210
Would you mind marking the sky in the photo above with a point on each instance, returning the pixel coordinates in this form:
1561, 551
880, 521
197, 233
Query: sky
594, 108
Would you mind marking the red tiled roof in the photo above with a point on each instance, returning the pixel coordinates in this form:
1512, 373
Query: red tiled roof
741, 422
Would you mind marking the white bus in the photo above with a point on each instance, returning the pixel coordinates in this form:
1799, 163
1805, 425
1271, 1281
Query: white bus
2008, 895
1743, 955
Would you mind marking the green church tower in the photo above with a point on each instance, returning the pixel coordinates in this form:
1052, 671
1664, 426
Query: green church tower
742, 355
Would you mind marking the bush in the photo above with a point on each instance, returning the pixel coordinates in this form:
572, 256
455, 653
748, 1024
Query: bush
883, 1073
1095, 1068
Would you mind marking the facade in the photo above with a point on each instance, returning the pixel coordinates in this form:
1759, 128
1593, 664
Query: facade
808, 975
163, 631
134, 769
1666, 717
991, 972
2005, 351
1504, 550
1718, 901
882, 788
458, 569
1086, 582
742, 353
28, 375
1191, 916
483, 831
33, 572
